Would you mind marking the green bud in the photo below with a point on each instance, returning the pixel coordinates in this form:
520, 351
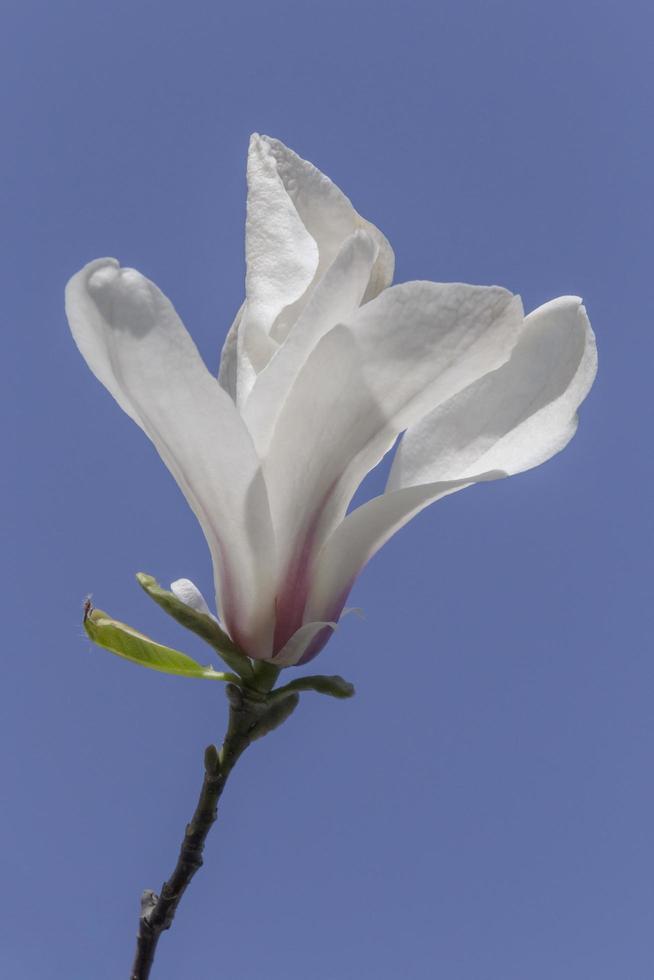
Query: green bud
334, 686
276, 714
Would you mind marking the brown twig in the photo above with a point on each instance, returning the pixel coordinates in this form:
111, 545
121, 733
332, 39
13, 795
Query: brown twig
250, 717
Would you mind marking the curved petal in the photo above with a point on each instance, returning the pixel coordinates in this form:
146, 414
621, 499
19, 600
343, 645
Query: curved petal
297, 223
305, 644
517, 416
188, 592
413, 347
281, 257
360, 535
136, 345
228, 369
337, 297
510, 420
281, 253
329, 217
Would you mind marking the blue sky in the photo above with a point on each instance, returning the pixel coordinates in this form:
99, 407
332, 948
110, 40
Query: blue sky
483, 809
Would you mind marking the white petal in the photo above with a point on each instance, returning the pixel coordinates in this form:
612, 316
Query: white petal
336, 298
296, 226
189, 593
411, 348
328, 214
282, 255
510, 420
136, 345
515, 417
228, 371
305, 644
359, 536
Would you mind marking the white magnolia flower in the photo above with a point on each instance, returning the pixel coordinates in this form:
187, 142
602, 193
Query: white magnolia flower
325, 366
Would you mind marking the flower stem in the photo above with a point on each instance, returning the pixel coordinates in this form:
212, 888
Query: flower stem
250, 717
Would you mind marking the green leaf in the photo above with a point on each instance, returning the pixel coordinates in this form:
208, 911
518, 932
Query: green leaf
132, 645
335, 686
201, 624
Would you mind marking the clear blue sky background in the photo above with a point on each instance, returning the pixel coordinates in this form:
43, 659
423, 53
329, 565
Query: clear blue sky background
484, 808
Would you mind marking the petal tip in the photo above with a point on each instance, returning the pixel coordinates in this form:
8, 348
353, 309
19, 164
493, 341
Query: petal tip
90, 269
260, 144
102, 275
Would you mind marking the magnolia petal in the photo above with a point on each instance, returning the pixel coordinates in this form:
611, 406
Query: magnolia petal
297, 222
413, 347
510, 420
282, 259
189, 593
305, 644
228, 370
282, 255
328, 216
337, 297
360, 535
517, 416
136, 345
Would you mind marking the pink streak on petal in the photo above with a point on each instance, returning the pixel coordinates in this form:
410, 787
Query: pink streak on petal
290, 603
232, 615
291, 600
332, 614
335, 608
316, 645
